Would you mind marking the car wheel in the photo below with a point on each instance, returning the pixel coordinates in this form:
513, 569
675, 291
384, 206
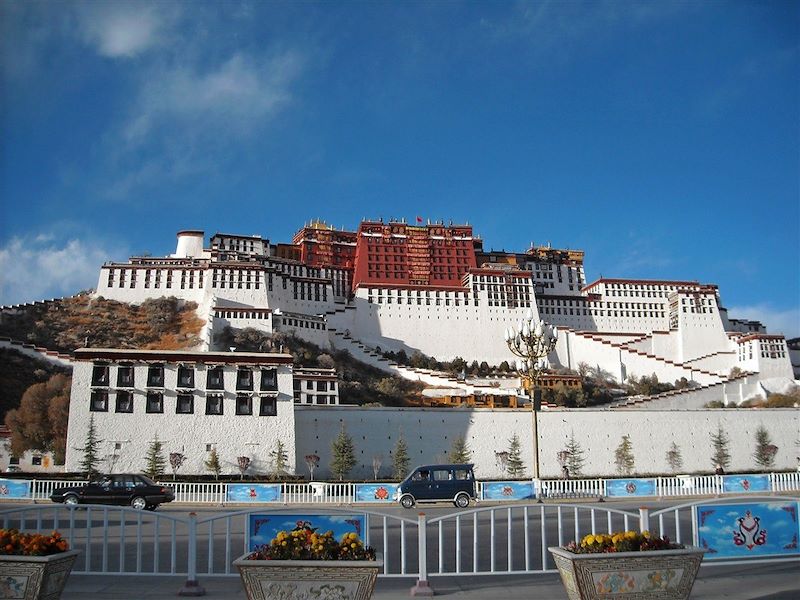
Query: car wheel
151, 507
461, 501
139, 503
71, 499
407, 501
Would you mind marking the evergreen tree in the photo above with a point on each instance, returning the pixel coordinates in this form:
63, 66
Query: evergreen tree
400, 459
674, 458
343, 453
459, 451
280, 458
91, 451
765, 449
623, 456
719, 442
213, 464
155, 463
514, 465
576, 459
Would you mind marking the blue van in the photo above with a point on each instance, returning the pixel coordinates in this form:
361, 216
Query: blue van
432, 483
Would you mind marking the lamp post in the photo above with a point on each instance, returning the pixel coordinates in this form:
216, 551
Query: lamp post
532, 341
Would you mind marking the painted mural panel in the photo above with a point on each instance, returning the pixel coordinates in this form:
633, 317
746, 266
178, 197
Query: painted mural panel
375, 492
508, 490
13, 488
737, 484
254, 492
263, 528
624, 488
752, 530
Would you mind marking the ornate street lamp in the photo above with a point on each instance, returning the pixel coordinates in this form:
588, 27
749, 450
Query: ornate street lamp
532, 341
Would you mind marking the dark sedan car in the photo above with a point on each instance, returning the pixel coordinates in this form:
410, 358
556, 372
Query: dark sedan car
138, 491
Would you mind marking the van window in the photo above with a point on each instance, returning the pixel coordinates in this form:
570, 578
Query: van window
441, 475
420, 476
462, 474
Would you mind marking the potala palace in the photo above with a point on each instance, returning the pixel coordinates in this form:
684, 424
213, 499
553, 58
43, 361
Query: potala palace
392, 286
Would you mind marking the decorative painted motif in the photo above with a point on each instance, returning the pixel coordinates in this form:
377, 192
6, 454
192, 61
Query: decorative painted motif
508, 490
748, 530
254, 492
737, 484
13, 587
263, 528
14, 488
621, 488
615, 583
375, 492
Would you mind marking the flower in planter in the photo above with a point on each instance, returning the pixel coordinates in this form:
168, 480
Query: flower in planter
621, 541
306, 543
14, 542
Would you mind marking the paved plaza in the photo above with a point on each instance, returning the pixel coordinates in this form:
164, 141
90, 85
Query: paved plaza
739, 582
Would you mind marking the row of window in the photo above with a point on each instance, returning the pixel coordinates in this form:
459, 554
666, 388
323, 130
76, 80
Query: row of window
215, 379
184, 403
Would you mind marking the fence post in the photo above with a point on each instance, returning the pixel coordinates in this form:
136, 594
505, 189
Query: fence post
192, 587
422, 588
644, 519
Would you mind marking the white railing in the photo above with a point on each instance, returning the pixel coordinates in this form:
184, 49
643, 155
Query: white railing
336, 493
491, 540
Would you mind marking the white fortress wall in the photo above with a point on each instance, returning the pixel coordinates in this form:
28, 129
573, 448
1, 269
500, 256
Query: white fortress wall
430, 432
721, 362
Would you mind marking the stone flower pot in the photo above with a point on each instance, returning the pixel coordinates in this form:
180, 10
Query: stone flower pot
302, 579
35, 577
656, 574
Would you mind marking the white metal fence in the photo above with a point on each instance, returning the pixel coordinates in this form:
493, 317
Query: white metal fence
345, 493
510, 539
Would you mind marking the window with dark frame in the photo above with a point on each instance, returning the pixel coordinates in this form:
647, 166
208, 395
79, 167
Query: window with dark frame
184, 405
124, 402
185, 376
244, 379
155, 402
244, 404
155, 376
215, 379
269, 407
125, 376
269, 380
99, 401
100, 374
214, 405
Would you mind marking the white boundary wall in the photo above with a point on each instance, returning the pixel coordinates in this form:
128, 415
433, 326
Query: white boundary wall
429, 433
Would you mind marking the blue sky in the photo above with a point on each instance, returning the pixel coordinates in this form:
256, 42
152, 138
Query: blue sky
662, 138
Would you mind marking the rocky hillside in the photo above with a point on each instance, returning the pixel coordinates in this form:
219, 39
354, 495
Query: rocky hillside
17, 373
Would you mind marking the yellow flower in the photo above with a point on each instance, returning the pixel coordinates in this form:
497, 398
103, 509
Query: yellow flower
589, 539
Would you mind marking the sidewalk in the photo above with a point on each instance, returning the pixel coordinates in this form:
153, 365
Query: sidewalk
739, 582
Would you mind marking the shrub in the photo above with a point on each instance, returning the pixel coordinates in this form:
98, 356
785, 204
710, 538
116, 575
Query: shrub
305, 543
17, 543
621, 541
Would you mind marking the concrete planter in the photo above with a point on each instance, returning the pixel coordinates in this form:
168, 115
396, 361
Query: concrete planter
302, 579
35, 577
659, 574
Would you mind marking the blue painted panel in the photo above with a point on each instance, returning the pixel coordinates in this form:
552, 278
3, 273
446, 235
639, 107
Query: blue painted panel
14, 488
508, 490
737, 484
624, 488
375, 492
254, 492
752, 530
263, 528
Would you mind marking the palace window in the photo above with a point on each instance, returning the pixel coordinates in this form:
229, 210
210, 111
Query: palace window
99, 401
269, 407
124, 402
244, 404
214, 404
100, 374
155, 376
269, 380
185, 377
155, 402
125, 376
184, 404
215, 379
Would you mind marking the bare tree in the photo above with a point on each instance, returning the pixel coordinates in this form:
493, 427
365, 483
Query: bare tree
501, 459
176, 460
243, 462
312, 462
377, 461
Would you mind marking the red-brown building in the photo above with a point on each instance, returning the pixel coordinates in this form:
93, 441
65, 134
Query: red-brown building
323, 246
398, 253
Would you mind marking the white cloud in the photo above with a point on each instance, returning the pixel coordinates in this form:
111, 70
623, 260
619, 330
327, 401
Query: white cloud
786, 321
123, 30
38, 267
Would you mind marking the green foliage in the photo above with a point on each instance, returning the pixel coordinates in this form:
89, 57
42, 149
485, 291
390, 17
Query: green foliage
279, 458
40, 422
564, 395
91, 451
576, 458
514, 465
623, 457
674, 458
212, 463
765, 451
647, 386
719, 443
343, 454
155, 463
400, 458
715, 404
459, 451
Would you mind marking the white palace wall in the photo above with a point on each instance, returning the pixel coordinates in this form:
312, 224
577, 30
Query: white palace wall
429, 433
